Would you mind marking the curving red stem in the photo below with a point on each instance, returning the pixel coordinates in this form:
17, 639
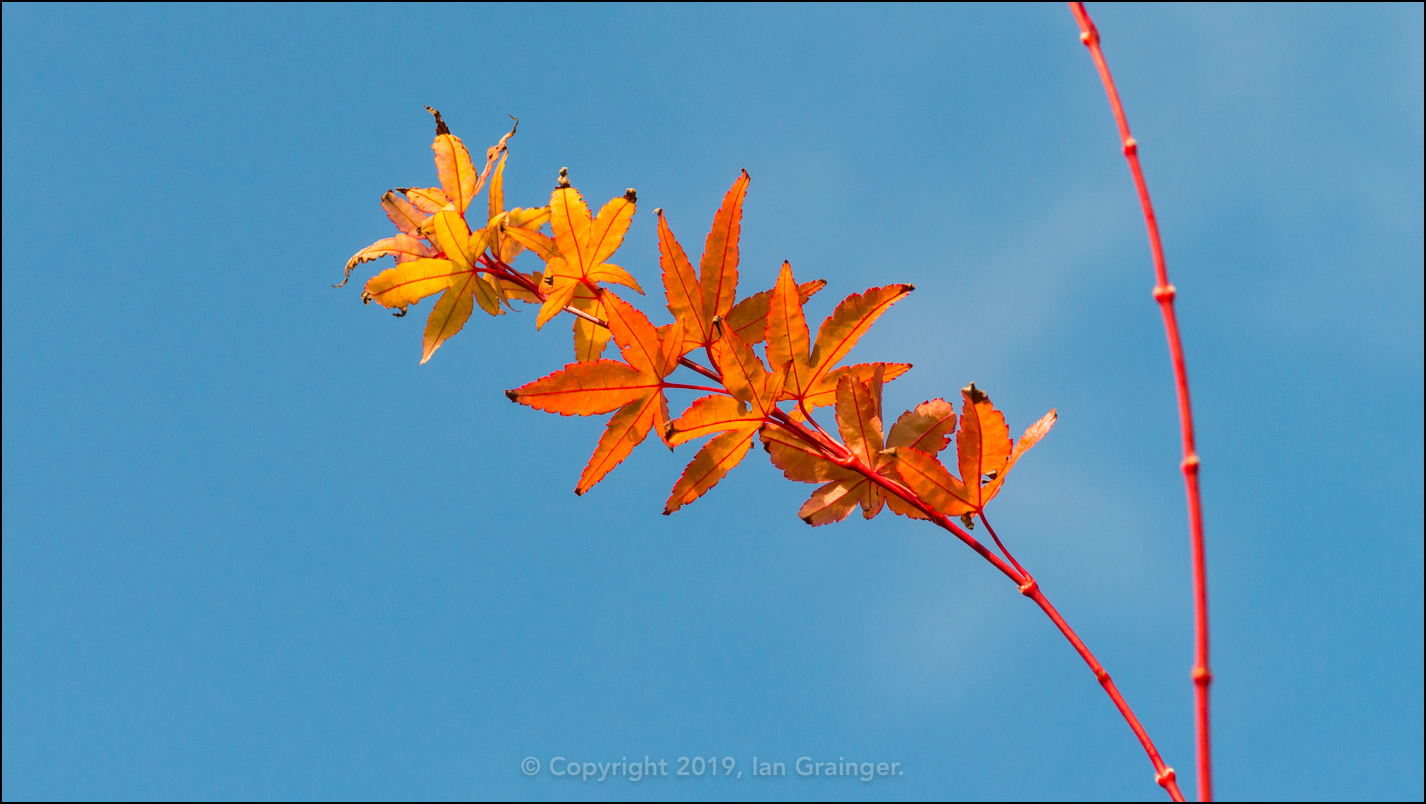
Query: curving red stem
1164, 295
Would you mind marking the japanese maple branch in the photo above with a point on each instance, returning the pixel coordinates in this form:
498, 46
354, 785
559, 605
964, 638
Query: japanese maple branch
840, 455
1164, 294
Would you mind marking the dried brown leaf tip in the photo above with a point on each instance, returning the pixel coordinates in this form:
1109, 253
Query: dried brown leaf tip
563, 181
631, 196
441, 127
976, 395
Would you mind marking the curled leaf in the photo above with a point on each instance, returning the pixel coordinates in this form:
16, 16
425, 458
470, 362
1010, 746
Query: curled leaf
429, 200
404, 247
459, 181
403, 213
495, 193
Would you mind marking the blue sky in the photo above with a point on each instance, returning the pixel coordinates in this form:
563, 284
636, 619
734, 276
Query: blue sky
252, 549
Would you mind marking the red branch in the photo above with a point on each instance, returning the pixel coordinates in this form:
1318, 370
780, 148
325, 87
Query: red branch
838, 453
1164, 294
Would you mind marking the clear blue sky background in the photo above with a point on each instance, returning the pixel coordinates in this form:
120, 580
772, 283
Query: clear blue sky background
252, 549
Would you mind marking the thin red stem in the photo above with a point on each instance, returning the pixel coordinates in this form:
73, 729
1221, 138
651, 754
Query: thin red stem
707, 372
991, 531
1164, 294
1163, 774
938, 518
695, 387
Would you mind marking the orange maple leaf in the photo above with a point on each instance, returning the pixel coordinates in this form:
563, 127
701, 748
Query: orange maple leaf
859, 420
634, 388
576, 257
738, 416
983, 455
695, 300
812, 379
404, 247
456, 276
